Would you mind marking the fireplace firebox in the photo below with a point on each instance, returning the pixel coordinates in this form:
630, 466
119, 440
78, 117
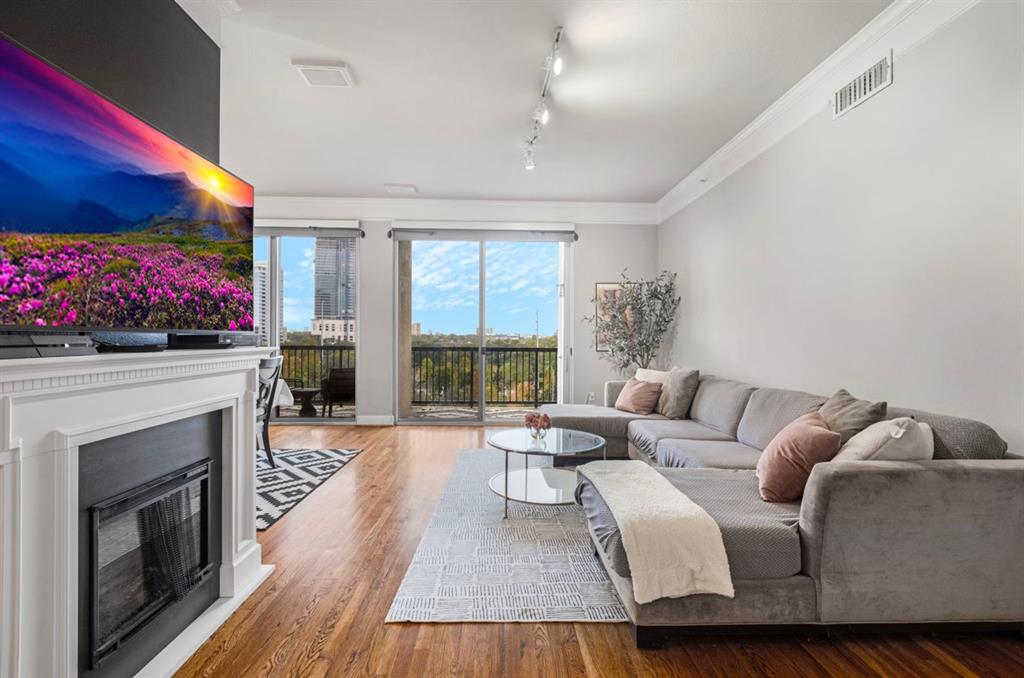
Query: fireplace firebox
150, 547
149, 540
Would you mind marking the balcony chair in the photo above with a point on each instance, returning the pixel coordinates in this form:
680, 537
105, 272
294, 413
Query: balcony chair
269, 373
339, 387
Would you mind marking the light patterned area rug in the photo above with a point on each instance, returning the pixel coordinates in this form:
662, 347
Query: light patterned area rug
298, 473
474, 566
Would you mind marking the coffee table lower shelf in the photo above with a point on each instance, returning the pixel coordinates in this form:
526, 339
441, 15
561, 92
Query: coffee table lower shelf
541, 485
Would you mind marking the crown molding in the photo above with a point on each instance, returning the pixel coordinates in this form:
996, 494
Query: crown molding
899, 27
226, 7
428, 209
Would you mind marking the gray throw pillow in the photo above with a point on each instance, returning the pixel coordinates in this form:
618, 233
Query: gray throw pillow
848, 416
677, 393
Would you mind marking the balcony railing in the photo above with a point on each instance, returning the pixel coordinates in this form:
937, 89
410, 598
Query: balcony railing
513, 376
307, 366
520, 376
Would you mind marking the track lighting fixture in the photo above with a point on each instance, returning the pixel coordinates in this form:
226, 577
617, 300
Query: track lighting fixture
553, 65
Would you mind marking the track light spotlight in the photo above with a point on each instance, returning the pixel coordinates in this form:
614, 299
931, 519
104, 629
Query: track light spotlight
542, 114
557, 63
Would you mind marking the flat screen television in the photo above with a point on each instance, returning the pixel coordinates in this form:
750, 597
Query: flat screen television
107, 223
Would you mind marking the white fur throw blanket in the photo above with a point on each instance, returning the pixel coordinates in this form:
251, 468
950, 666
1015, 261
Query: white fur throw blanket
674, 547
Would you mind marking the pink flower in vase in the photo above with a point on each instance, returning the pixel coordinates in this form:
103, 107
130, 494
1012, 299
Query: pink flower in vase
538, 424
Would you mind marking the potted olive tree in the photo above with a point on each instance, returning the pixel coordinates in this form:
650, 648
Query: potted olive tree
632, 317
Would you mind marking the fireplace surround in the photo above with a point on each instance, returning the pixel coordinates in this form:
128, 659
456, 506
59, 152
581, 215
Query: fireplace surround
67, 421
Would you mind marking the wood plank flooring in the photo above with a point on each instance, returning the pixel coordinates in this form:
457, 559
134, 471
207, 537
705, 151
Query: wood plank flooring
341, 554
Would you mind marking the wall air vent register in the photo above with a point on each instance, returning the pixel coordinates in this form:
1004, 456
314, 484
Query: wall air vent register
863, 87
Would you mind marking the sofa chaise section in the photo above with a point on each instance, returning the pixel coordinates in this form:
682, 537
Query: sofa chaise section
761, 539
876, 540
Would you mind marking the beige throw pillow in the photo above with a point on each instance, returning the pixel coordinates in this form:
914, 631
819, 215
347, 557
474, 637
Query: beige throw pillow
848, 416
900, 439
638, 397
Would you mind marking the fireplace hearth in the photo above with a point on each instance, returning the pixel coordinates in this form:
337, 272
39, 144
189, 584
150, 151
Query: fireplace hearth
150, 549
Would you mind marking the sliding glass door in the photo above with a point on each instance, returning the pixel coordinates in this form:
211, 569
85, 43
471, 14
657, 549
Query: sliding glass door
305, 285
439, 339
520, 335
478, 328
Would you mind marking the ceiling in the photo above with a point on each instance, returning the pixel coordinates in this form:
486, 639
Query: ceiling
445, 91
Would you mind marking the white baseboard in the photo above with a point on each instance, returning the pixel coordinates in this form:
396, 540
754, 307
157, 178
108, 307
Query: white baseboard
172, 657
375, 420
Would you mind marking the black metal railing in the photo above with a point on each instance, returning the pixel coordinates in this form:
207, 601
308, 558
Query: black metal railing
450, 375
307, 366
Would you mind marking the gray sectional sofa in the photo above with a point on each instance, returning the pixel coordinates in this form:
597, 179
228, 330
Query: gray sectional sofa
869, 542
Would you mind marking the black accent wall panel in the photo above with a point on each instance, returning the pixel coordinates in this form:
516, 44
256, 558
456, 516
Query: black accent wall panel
147, 55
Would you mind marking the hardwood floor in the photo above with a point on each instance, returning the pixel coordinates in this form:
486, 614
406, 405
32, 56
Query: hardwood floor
341, 554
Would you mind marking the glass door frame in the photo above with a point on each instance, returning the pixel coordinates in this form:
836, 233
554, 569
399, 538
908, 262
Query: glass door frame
564, 236
274, 230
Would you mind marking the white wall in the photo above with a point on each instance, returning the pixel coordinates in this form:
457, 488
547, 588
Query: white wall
881, 252
600, 255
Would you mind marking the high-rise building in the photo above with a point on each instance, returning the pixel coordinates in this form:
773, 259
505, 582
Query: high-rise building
334, 288
261, 297
328, 328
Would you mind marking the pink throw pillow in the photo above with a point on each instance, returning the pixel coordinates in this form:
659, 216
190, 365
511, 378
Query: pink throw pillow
785, 465
638, 397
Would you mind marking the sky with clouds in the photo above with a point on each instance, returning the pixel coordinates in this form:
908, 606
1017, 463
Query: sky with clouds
522, 285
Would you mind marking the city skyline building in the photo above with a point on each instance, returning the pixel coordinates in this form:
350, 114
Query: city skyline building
334, 289
334, 278
261, 297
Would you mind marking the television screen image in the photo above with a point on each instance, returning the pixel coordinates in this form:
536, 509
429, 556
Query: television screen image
106, 222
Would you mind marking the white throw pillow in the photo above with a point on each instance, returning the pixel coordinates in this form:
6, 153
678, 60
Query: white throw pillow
900, 439
656, 376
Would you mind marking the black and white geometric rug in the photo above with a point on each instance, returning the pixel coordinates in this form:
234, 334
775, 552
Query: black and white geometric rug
298, 473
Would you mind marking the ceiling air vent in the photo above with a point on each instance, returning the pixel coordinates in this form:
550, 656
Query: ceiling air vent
863, 87
336, 74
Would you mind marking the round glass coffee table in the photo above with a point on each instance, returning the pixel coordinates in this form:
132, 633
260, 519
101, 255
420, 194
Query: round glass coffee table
540, 485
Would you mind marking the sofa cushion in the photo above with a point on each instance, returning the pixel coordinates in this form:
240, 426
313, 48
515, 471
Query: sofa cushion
645, 433
675, 453
958, 438
606, 422
770, 410
761, 540
719, 403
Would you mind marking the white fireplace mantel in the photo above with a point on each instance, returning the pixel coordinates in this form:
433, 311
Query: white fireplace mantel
51, 406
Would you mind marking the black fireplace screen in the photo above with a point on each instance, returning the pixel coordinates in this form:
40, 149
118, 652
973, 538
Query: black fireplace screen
150, 547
